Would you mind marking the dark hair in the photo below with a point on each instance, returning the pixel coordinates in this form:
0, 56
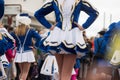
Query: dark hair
101, 32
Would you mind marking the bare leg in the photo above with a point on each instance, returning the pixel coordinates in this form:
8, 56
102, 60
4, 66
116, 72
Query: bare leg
59, 58
26, 67
21, 71
66, 63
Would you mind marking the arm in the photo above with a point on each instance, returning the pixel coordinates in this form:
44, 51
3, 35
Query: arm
36, 36
42, 12
91, 11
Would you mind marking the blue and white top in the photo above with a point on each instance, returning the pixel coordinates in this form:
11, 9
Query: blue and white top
66, 35
24, 43
5, 44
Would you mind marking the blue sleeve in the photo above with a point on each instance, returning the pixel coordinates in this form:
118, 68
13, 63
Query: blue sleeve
37, 37
108, 35
3, 46
42, 12
87, 8
10, 43
1, 8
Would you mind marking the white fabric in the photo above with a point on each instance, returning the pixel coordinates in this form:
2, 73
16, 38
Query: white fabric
4, 76
22, 19
5, 32
66, 35
27, 56
66, 10
73, 36
73, 71
50, 66
5, 60
115, 58
53, 37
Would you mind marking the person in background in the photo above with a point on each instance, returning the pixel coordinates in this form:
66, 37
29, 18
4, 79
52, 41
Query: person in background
5, 42
66, 38
112, 38
76, 69
101, 66
42, 56
23, 35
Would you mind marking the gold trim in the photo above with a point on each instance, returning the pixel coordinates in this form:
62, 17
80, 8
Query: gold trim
82, 46
68, 46
45, 43
77, 1
51, 44
47, 5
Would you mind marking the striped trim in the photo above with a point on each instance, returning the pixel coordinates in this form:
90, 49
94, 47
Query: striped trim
82, 46
46, 43
46, 5
68, 45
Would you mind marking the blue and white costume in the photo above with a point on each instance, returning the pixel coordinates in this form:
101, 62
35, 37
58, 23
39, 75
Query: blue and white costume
112, 38
1, 8
66, 36
5, 43
24, 43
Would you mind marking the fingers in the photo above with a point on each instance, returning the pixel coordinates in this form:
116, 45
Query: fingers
53, 26
80, 27
1, 25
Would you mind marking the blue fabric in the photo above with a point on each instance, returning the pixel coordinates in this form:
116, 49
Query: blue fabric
114, 28
70, 50
1, 8
108, 35
25, 14
77, 64
52, 6
32, 34
5, 44
78, 49
10, 43
100, 45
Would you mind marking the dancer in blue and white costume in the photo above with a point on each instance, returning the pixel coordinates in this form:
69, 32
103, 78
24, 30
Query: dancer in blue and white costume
23, 35
66, 35
5, 43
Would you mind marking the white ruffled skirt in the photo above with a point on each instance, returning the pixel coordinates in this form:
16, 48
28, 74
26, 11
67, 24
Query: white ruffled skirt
69, 42
27, 56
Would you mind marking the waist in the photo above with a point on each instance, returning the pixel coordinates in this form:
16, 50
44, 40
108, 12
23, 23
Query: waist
62, 27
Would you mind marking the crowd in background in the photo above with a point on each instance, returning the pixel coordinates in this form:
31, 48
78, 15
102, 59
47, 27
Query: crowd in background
94, 65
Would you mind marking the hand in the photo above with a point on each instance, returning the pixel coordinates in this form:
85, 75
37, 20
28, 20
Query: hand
31, 47
0, 36
80, 27
1, 25
53, 26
